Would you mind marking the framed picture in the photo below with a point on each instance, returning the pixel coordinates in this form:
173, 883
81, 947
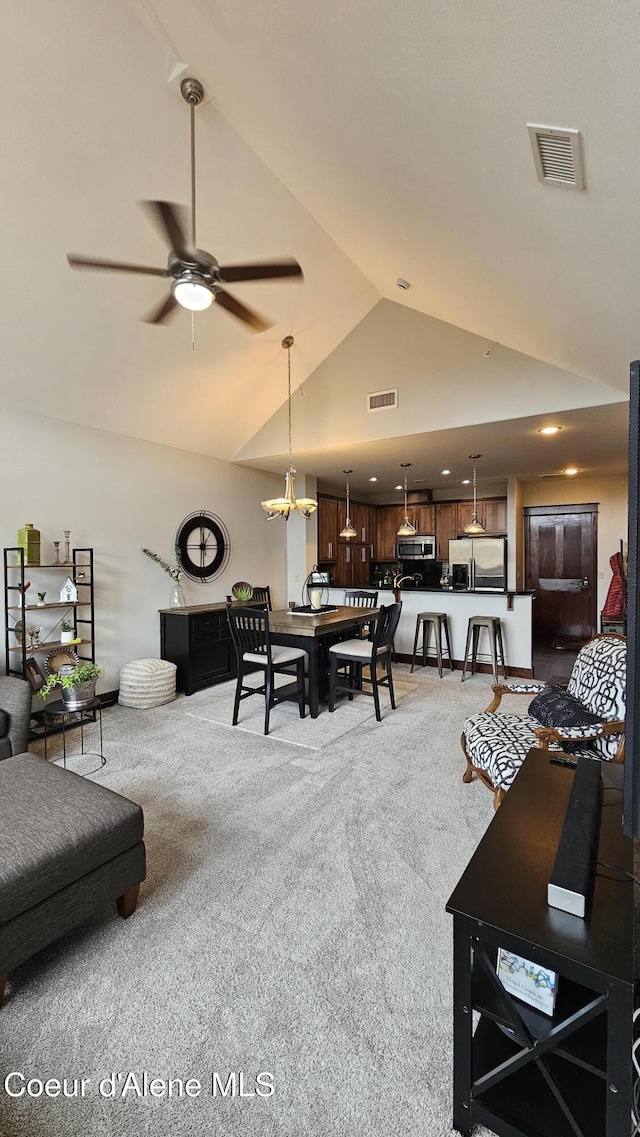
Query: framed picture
34, 674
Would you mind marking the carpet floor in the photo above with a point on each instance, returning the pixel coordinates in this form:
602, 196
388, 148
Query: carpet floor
292, 923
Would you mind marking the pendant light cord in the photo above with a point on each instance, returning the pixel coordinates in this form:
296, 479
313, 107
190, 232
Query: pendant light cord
289, 391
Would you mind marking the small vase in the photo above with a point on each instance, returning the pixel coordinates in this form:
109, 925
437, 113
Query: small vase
177, 598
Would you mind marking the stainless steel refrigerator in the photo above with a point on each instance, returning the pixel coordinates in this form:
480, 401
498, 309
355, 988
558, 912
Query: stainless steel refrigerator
485, 559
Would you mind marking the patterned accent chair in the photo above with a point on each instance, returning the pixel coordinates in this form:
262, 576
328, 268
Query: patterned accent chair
496, 745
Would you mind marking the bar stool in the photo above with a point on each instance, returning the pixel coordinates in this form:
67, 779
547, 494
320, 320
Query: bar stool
496, 647
427, 621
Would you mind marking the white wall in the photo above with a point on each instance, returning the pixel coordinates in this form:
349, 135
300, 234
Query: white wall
610, 493
117, 494
443, 378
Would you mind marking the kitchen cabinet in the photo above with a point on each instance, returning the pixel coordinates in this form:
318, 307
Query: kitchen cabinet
360, 515
446, 526
423, 517
327, 529
388, 521
492, 514
353, 564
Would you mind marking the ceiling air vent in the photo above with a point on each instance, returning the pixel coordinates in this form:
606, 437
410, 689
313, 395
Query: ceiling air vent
382, 400
557, 154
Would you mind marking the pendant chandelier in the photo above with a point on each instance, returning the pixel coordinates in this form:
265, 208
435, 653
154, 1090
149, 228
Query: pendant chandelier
348, 530
282, 506
406, 529
475, 527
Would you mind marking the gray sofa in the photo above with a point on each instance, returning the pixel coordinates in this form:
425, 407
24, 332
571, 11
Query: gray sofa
68, 847
15, 715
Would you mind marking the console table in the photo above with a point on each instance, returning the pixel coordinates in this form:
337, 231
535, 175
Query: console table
198, 640
522, 1073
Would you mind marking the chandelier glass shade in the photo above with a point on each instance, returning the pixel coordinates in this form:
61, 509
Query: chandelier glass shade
348, 530
283, 506
475, 528
406, 529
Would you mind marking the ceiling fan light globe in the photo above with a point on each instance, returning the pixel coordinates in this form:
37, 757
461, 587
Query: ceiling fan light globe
192, 294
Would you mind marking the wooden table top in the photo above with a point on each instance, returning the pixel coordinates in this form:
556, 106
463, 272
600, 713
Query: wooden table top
284, 622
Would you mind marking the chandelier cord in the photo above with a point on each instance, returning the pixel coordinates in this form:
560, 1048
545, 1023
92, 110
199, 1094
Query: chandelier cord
289, 389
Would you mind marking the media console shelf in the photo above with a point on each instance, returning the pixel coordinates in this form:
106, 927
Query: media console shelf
522, 1073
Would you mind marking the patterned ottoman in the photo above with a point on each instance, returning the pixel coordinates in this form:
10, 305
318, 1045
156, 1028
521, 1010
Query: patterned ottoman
147, 683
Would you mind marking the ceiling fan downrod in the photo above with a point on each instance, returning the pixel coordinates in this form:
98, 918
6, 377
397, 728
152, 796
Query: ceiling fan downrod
192, 92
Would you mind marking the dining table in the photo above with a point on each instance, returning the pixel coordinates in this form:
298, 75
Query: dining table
315, 632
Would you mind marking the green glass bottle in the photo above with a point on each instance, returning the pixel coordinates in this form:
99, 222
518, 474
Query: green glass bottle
29, 540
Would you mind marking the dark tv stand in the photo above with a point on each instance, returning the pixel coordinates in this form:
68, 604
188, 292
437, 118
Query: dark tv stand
522, 1073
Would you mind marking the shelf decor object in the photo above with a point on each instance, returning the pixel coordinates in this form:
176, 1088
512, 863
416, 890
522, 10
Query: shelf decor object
67, 535
475, 527
528, 981
348, 530
406, 529
282, 506
29, 540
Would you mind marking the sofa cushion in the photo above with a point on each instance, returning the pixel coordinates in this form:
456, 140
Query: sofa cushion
556, 707
54, 828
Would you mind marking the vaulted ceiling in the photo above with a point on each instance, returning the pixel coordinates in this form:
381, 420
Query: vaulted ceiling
369, 140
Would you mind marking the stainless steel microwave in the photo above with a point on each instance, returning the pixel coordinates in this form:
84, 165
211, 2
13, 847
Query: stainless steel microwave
418, 548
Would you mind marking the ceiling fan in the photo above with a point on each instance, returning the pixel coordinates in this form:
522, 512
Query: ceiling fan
196, 277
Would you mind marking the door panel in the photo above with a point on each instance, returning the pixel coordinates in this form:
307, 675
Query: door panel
561, 549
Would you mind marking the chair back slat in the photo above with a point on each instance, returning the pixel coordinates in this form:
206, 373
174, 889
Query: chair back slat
263, 595
386, 625
358, 598
250, 630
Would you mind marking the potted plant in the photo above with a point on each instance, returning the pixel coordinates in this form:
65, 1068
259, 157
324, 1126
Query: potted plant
77, 685
67, 632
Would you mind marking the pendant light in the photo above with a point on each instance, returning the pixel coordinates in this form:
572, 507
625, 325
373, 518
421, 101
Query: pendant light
475, 528
348, 530
282, 506
406, 529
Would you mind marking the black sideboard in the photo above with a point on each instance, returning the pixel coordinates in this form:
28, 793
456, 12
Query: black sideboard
198, 640
521, 1073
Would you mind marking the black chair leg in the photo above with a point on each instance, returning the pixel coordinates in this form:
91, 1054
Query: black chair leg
333, 679
390, 678
236, 702
268, 689
374, 684
351, 678
300, 673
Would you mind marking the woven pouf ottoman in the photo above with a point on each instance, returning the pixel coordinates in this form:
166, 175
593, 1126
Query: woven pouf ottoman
147, 683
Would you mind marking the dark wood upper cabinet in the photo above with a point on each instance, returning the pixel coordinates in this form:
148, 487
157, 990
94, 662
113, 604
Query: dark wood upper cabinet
388, 521
492, 514
446, 517
424, 519
327, 529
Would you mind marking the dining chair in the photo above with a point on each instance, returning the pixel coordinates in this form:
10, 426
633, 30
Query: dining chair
263, 595
347, 659
250, 634
359, 598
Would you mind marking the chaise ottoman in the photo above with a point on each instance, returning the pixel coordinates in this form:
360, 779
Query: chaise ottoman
68, 847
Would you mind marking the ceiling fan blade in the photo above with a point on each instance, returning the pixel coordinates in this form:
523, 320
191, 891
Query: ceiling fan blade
256, 322
260, 270
162, 311
78, 261
170, 220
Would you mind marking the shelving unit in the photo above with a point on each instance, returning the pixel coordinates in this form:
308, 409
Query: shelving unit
522, 1073
16, 575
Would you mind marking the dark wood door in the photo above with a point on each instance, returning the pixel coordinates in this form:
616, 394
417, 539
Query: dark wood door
560, 555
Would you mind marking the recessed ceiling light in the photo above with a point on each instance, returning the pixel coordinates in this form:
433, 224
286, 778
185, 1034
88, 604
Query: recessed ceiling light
465, 482
570, 470
549, 429
398, 487
445, 471
373, 479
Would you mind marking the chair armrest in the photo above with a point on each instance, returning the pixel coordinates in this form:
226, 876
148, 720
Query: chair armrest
533, 687
548, 734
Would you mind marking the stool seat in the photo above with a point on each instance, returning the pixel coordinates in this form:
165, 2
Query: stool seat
146, 683
493, 626
439, 621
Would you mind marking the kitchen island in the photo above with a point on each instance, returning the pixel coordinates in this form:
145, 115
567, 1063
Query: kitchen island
513, 608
